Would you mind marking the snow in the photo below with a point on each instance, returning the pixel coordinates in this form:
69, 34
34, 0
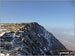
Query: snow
7, 55
21, 31
1, 54
38, 35
8, 33
2, 34
45, 49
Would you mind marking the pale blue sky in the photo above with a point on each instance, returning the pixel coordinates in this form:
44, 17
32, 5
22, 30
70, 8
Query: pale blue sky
51, 14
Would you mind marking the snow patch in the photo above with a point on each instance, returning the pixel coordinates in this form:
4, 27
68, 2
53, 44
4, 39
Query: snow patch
2, 33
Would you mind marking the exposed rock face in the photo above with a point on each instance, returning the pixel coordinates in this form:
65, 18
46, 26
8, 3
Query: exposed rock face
29, 39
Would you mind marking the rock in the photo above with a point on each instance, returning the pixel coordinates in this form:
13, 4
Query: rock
30, 39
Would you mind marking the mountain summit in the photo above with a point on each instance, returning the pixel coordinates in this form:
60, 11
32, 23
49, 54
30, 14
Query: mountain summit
28, 39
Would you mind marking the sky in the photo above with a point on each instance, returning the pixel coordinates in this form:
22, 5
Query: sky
53, 15
56, 14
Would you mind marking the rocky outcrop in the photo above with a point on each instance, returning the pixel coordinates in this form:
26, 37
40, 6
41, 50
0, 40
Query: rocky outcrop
29, 39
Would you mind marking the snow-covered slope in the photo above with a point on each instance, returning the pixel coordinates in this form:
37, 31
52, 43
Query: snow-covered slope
28, 39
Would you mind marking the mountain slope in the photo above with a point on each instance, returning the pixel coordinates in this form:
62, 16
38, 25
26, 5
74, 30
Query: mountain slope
28, 39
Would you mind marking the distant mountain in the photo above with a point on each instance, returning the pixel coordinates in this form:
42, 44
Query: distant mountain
68, 45
28, 39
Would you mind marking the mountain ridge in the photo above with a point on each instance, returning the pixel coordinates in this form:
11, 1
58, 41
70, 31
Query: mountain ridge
29, 39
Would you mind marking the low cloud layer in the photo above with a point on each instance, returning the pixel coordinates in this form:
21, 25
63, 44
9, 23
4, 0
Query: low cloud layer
69, 33
63, 34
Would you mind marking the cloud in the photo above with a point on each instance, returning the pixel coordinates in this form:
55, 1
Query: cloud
69, 33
